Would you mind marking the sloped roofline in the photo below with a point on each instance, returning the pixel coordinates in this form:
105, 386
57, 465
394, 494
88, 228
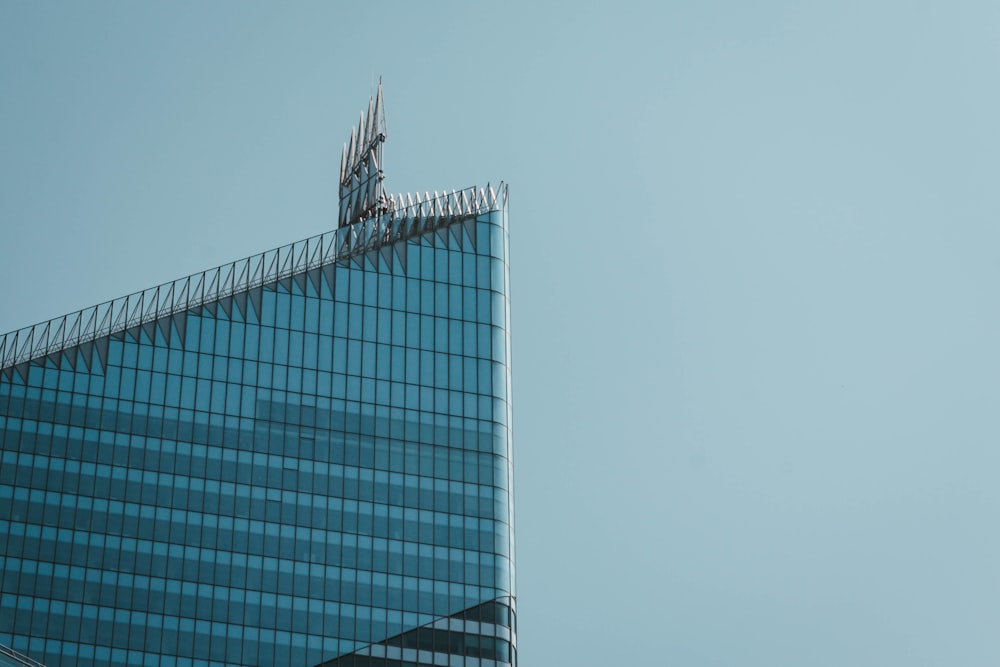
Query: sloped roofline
407, 216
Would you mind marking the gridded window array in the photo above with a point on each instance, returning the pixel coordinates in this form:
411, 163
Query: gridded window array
274, 485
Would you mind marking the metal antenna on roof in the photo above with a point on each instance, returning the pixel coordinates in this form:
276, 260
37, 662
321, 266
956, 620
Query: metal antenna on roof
361, 190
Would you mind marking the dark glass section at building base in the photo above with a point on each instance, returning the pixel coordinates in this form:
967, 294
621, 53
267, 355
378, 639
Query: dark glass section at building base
484, 632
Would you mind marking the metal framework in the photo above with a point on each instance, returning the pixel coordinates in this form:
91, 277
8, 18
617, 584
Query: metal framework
370, 225
80, 334
362, 193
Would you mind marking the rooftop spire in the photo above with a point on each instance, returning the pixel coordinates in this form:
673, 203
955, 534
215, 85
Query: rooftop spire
362, 194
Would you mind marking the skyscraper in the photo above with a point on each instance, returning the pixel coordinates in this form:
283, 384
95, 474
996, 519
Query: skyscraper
300, 458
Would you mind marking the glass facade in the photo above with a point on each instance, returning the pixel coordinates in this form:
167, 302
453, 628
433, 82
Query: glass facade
314, 470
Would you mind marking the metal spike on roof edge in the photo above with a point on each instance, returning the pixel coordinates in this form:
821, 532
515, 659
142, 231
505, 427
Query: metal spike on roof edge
350, 154
360, 148
379, 112
370, 125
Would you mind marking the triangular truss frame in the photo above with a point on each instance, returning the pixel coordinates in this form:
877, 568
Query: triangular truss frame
164, 308
371, 225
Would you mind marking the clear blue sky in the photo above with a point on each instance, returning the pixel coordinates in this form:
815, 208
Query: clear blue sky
754, 264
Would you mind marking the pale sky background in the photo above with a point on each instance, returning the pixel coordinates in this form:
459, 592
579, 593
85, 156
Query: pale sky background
754, 257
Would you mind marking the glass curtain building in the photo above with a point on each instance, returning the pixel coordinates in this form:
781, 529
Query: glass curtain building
301, 458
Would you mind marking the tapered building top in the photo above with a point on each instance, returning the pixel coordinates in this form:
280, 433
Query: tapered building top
382, 221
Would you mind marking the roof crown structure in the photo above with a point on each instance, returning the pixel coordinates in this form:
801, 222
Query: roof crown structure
361, 176
369, 226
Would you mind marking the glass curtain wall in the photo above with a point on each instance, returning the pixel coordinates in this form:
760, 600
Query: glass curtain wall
316, 472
